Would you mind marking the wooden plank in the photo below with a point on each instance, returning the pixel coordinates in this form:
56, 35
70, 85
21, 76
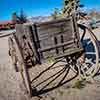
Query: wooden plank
52, 53
46, 42
76, 31
35, 45
25, 70
19, 31
53, 21
55, 46
51, 30
75, 50
52, 34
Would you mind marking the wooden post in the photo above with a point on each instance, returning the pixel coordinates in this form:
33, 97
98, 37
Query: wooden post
25, 74
36, 42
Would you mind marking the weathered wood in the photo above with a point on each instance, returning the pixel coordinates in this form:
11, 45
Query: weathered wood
51, 37
35, 45
52, 30
53, 21
13, 53
69, 53
57, 39
55, 46
25, 73
76, 31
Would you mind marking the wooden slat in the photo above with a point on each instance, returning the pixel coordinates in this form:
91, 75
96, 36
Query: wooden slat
54, 26
52, 21
55, 46
51, 30
53, 53
52, 34
75, 50
19, 31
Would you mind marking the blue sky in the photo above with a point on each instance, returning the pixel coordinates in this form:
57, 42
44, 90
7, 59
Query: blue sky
37, 7
91, 4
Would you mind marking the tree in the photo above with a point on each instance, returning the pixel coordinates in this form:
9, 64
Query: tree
22, 17
69, 7
56, 13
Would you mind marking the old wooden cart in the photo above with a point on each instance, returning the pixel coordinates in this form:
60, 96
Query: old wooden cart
34, 45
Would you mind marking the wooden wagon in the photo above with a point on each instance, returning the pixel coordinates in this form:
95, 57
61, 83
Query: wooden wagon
35, 44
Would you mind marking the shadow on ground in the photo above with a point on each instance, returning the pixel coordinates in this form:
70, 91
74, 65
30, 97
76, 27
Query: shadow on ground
65, 70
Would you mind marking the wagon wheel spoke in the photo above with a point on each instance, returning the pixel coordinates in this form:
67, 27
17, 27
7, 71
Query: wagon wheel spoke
91, 56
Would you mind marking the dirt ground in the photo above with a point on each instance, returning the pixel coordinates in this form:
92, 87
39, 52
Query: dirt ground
11, 87
9, 80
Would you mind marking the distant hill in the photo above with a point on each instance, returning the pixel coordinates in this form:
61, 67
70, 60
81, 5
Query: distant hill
94, 13
39, 19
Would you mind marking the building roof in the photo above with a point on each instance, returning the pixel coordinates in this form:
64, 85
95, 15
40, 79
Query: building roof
6, 22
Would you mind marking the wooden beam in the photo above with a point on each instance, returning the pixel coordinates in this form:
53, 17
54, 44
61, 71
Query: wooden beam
56, 46
25, 74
